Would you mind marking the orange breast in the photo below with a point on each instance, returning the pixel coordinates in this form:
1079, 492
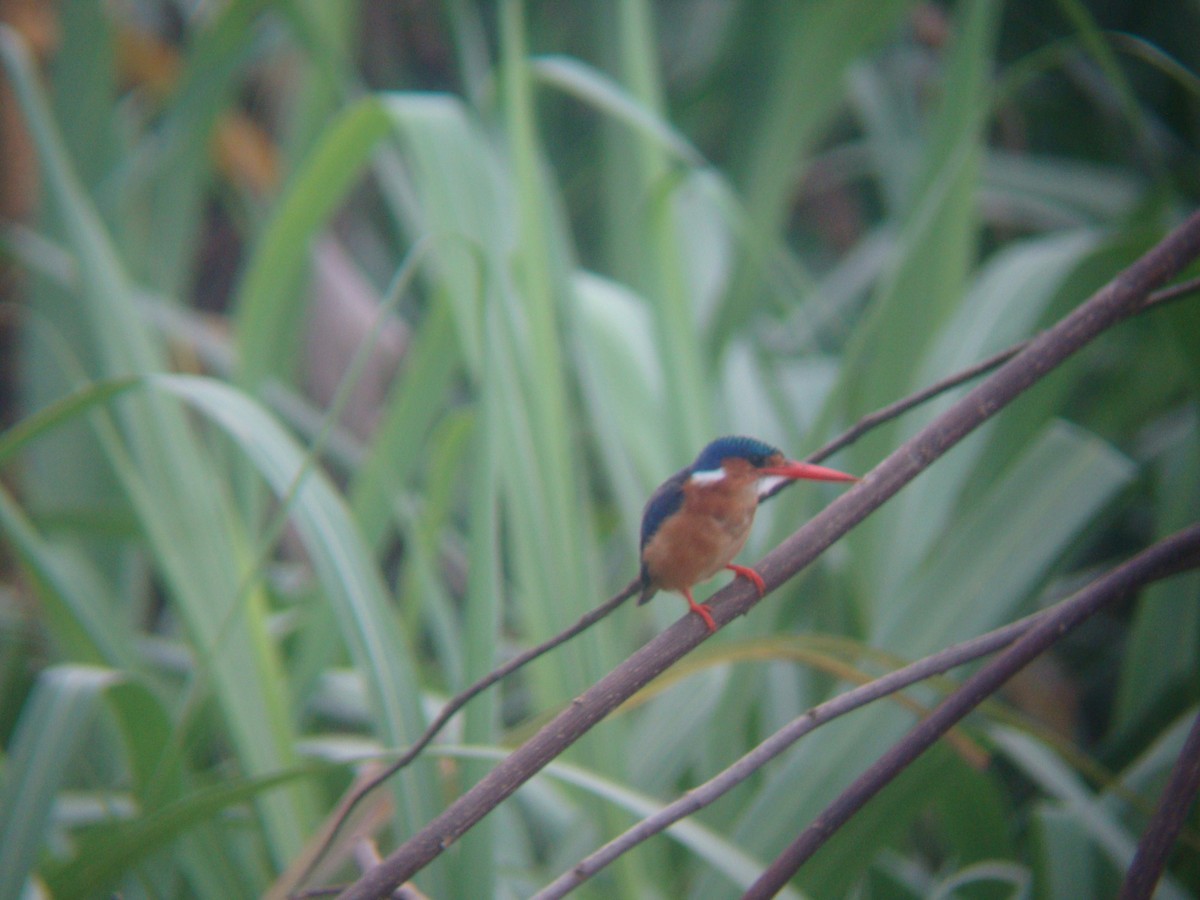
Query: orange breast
704, 536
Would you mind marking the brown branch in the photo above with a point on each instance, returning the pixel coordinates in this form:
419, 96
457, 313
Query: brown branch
1114, 302
707, 793
710, 791
1169, 556
861, 427
874, 420
457, 702
1159, 837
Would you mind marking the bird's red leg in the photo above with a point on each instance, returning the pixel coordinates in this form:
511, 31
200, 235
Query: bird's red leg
750, 575
701, 610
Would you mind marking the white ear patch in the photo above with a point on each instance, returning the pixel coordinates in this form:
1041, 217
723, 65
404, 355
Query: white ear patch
768, 484
710, 476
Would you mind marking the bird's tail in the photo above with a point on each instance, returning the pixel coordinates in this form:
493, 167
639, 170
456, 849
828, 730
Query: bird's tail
648, 589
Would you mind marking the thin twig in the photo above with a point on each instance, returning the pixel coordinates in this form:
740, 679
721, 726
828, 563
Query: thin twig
707, 793
457, 702
1110, 305
861, 427
1169, 556
894, 410
710, 791
1159, 837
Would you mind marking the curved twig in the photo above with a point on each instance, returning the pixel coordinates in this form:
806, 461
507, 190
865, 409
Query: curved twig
1115, 302
452, 706
894, 410
852, 434
707, 793
1168, 557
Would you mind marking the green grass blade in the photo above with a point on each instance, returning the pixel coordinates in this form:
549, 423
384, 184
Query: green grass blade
74, 604
1009, 297
649, 236
29, 429
49, 735
377, 639
804, 53
482, 622
160, 185
172, 485
1030, 516
418, 400
593, 87
106, 855
938, 231
1091, 813
267, 318
734, 863
1162, 655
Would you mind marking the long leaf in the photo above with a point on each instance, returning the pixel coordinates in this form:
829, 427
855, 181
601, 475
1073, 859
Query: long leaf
49, 735
377, 638
172, 485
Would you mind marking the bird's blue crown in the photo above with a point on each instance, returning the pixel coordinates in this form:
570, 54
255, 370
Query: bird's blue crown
753, 451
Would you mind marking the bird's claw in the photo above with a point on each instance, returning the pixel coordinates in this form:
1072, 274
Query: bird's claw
750, 575
702, 611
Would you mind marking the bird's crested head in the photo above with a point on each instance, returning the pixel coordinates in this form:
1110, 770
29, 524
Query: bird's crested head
740, 459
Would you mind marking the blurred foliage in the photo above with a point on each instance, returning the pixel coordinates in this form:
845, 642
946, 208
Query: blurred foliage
342, 343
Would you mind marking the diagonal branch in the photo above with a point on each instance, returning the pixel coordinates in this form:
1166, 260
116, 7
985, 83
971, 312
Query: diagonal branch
1159, 837
457, 702
1168, 557
710, 791
936, 663
891, 411
342, 814
1117, 300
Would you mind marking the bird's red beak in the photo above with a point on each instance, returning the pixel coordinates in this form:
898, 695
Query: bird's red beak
795, 471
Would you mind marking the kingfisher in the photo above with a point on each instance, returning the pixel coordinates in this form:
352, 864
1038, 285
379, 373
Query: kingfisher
698, 520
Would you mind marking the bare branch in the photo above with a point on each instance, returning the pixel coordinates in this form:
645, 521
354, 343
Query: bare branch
705, 794
1159, 836
1168, 557
861, 427
457, 702
1117, 300
897, 409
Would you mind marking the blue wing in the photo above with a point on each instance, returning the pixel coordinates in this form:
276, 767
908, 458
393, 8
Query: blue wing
663, 503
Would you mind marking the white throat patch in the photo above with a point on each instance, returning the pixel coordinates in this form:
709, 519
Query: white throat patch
768, 484
710, 476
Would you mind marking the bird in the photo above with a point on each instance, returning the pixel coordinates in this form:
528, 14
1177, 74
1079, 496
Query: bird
697, 521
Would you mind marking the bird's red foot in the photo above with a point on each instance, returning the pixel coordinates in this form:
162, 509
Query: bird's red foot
702, 611
750, 575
